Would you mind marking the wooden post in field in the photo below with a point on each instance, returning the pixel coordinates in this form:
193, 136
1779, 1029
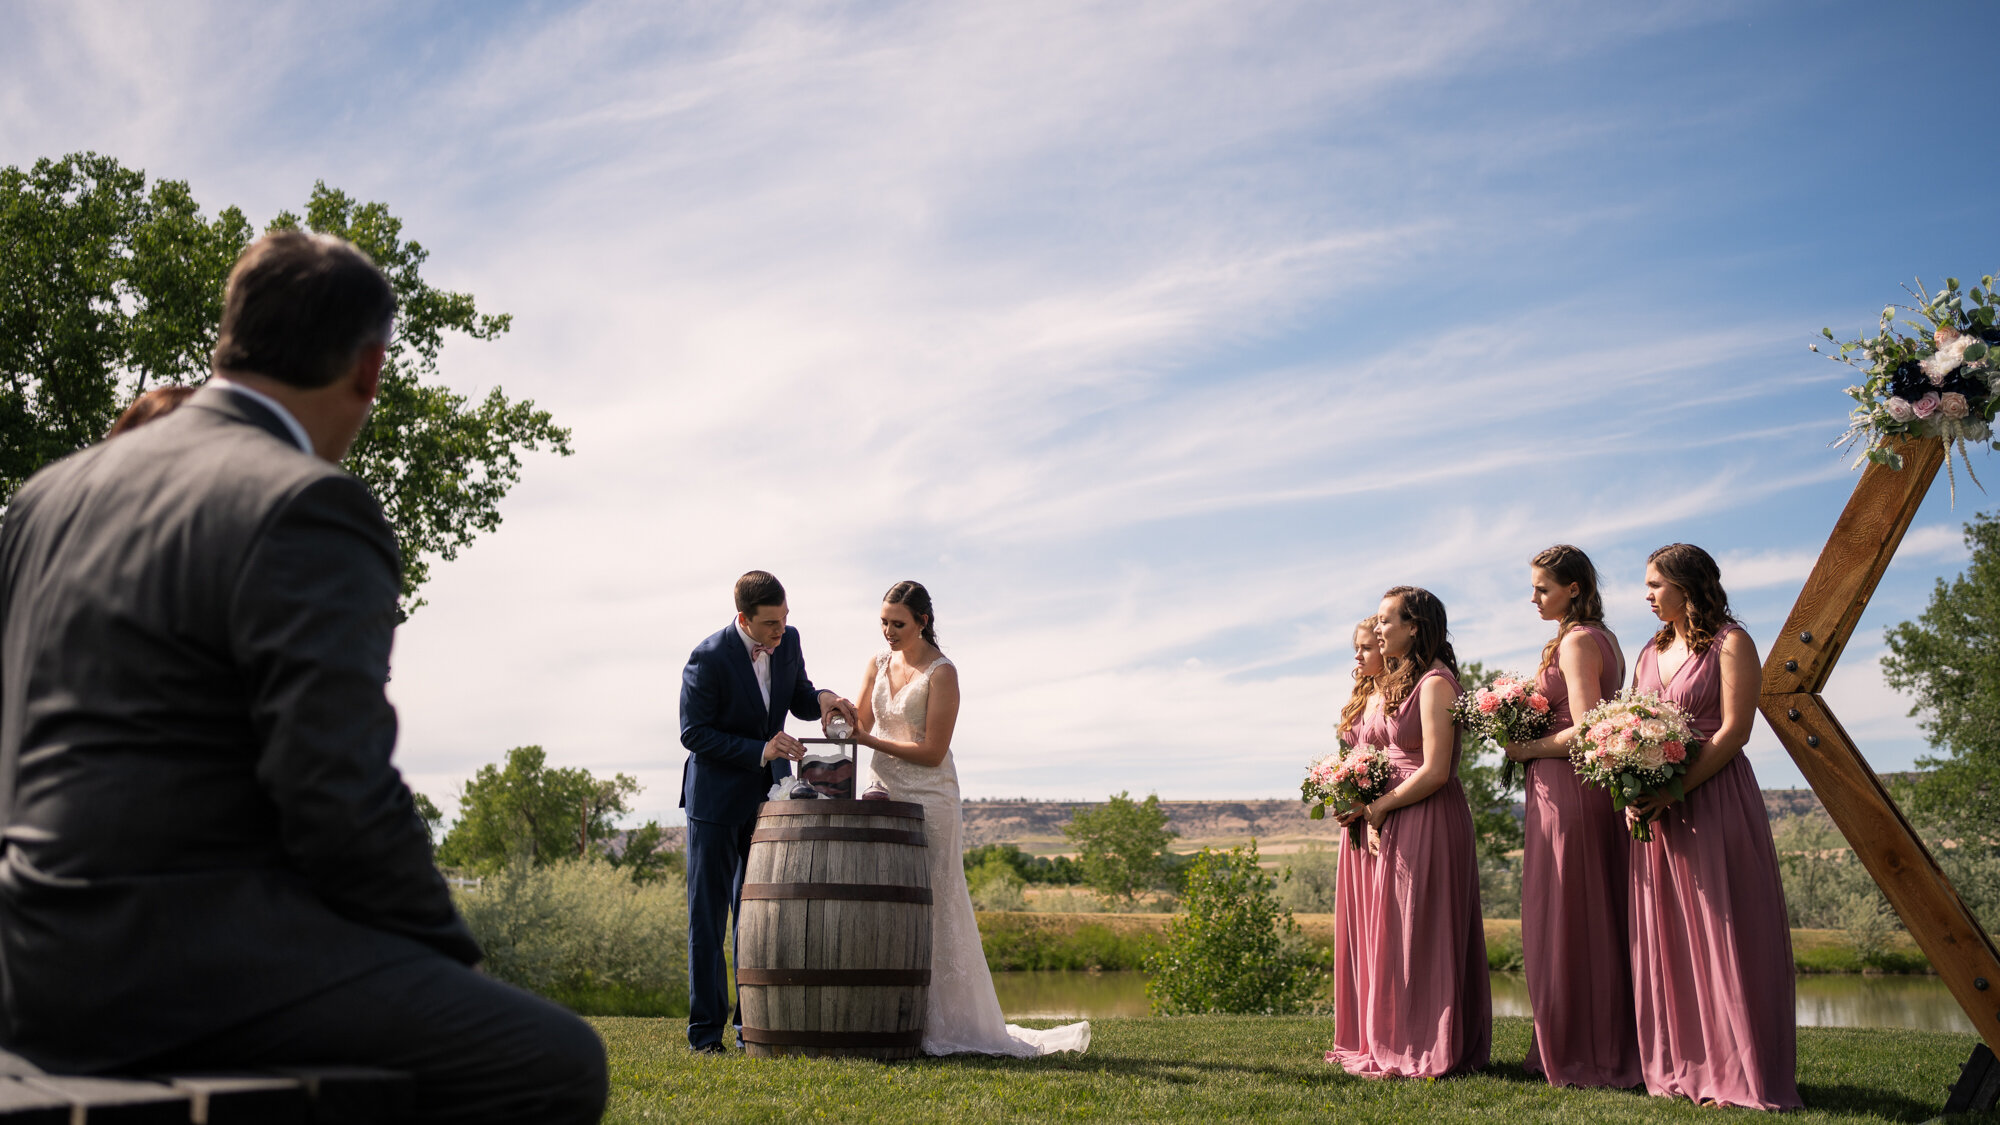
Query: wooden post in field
1801, 660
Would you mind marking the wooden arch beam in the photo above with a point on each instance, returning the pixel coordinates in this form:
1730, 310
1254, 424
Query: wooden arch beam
1863, 542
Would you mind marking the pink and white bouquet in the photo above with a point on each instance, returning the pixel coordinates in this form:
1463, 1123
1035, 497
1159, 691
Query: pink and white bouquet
1510, 709
1352, 773
1635, 745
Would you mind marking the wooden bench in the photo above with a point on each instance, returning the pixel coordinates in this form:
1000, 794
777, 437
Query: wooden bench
279, 1096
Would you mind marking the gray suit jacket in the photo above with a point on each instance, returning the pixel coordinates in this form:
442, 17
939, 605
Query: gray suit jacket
201, 823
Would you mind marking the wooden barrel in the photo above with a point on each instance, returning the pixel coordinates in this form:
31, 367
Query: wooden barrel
833, 949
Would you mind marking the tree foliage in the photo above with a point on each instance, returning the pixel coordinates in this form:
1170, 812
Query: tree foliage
1494, 822
1948, 660
1121, 845
1233, 947
108, 289
1058, 870
525, 809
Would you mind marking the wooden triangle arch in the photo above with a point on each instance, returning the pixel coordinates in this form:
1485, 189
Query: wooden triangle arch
1856, 554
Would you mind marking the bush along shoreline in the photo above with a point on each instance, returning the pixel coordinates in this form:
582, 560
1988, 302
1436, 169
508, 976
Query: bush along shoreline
1023, 940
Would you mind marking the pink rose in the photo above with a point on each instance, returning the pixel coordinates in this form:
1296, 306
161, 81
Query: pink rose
1538, 703
1514, 690
1673, 751
1926, 406
1955, 405
1488, 703
1899, 408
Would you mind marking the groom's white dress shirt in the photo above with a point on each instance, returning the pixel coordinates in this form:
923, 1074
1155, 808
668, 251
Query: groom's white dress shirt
298, 432
760, 663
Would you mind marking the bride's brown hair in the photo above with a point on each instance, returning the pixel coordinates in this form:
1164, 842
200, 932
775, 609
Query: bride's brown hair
1691, 569
912, 596
1567, 564
1364, 686
1431, 645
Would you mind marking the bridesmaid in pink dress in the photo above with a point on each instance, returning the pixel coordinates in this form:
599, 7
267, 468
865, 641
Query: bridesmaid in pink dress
1711, 947
1574, 862
1421, 1007
1360, 723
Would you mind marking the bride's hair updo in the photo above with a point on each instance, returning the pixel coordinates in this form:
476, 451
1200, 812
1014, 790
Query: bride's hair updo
918, 600
1432, 644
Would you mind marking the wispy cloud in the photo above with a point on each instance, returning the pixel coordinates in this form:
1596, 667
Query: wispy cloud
1157, 341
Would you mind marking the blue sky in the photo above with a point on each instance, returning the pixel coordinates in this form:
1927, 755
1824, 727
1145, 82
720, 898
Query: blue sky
1157, 340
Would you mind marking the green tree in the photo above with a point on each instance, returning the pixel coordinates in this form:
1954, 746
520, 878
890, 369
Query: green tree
432, 816
1233, 947
1479, 767
525, 808
1121, 845
1948, 660
108, 289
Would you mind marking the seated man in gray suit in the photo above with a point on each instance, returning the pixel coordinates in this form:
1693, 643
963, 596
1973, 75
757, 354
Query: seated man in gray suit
209, 861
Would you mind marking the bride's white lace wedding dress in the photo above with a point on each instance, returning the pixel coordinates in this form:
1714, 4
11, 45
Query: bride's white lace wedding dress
963, 1014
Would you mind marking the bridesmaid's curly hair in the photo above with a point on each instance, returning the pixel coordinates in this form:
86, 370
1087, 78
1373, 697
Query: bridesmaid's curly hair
1432, 644
1691, 570
1364, 686
1567, 564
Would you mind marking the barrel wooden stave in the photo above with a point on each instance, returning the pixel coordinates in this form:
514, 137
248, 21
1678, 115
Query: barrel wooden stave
836, 934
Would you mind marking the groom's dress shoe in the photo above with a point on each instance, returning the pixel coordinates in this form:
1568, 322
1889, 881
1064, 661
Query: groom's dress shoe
710, 1049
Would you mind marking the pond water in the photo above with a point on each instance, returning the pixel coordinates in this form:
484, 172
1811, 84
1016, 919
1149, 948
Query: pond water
1824, 1000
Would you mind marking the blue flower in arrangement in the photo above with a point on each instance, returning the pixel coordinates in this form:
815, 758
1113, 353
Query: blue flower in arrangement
1936, 381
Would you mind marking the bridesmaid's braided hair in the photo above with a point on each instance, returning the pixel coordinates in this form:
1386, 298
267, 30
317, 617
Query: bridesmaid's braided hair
918, 599
1691, 569
1567, 564
1364, 686
1432, 644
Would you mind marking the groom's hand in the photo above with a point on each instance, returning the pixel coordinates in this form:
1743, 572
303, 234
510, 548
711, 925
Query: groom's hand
783, 745
831, 704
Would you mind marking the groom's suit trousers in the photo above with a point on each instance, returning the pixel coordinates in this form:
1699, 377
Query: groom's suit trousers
717, 857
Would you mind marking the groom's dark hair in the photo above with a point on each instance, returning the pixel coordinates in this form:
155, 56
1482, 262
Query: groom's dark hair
758, 588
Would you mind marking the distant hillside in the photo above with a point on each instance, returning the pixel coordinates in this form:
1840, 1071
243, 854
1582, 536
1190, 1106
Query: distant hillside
1020, 821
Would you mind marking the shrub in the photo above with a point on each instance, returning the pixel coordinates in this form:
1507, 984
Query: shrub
1309, 879
996, 885
1234, 948
583, 934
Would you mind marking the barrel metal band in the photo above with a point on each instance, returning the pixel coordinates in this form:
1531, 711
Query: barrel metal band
826, 806
825, 832
846, 892
769, 1038
835, 978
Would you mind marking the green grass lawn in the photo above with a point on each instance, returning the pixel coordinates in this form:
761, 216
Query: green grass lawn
1216, 1068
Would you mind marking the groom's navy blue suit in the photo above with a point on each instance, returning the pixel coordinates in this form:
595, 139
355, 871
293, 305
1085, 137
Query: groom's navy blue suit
725, 724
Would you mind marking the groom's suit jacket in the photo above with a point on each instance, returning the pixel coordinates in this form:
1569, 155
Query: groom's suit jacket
725, 724
201, 821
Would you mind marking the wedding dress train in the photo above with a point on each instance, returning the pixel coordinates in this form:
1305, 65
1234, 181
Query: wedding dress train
963, 1015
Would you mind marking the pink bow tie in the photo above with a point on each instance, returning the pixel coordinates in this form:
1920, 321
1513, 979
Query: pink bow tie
760, 650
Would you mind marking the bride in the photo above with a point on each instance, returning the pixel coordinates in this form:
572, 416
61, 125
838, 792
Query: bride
909, 704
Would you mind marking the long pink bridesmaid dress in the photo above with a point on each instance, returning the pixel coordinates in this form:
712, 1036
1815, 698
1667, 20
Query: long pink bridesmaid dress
1573, 881
1412, 998
1711, 946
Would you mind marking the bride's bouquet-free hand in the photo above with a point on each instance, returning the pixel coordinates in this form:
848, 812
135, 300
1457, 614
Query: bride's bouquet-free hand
1352, 774
1635, 745
1510, 709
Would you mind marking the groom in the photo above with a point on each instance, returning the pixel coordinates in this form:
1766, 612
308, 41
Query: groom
735, 691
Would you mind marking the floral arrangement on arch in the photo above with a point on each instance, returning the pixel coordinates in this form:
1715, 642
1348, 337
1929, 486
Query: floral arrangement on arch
1935, 382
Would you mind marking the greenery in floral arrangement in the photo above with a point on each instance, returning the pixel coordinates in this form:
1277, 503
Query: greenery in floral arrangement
1937, 381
